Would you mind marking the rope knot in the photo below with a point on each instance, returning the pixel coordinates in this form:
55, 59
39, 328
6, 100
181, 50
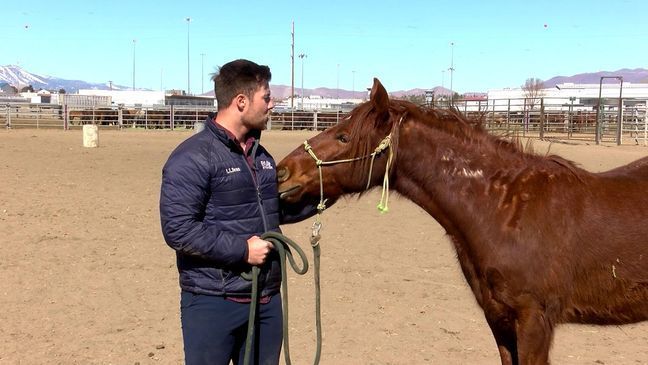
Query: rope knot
310, 151
382, 207
386, 142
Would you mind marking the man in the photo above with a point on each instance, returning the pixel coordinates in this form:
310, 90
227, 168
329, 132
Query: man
218, 195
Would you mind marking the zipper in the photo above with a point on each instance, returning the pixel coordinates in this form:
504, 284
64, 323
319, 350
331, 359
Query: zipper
256, 185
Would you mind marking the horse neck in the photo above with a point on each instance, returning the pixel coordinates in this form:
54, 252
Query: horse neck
448, 172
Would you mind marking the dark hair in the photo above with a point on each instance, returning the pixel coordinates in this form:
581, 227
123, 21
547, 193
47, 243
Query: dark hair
238, 77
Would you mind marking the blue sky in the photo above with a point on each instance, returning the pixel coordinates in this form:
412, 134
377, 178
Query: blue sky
406, 44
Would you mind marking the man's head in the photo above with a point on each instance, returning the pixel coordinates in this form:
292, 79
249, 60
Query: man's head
239, 77
242, 87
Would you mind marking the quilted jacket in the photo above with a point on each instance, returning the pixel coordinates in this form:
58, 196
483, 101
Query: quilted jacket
211, 202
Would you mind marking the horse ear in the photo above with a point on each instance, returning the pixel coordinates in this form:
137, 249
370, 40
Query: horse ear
379, 97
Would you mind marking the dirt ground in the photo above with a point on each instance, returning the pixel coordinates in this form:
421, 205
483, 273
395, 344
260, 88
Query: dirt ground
86, 278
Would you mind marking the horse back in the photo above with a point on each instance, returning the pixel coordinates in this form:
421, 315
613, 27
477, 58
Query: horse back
637, 169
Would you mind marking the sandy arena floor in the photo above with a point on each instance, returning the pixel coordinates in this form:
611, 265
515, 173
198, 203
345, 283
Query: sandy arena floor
86, 277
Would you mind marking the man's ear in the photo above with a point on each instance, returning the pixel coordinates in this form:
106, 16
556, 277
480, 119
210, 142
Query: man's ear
241, 101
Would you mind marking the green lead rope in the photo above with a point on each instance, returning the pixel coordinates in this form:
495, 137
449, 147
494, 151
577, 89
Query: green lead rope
283, 244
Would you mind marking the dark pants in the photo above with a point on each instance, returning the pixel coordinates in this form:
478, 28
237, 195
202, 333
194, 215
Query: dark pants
214, 330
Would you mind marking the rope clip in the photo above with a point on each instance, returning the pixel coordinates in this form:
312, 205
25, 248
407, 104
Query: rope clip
315, 235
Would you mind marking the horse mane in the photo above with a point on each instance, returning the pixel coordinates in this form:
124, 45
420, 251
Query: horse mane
450, 121
454, 122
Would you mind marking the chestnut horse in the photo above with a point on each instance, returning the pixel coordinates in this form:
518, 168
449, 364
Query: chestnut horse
540, 241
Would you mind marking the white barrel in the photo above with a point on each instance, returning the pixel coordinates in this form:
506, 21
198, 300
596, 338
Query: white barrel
90, 135
198, 127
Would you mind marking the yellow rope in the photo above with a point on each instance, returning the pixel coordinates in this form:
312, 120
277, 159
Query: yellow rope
384, 198
384, 144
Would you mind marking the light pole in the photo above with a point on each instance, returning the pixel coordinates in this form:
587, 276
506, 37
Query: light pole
188, 19
337, 84
302, 56
202, 73
134, 41
451, 69
292, 70
337, 95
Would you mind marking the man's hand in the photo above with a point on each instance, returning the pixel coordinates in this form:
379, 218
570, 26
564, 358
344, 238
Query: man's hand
258, 250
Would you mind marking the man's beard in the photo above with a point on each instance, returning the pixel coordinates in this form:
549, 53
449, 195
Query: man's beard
260, 124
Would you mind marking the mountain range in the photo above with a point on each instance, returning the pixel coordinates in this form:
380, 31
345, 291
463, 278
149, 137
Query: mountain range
635, 76
18, 77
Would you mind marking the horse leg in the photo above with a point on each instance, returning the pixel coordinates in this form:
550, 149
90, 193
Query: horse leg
534, 335
500, 315
503, 328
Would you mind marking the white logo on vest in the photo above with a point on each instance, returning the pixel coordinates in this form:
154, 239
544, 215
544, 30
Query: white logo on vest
266, 165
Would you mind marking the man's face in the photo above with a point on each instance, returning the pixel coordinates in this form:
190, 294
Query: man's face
258, 113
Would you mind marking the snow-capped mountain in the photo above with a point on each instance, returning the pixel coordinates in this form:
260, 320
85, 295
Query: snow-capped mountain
18, 77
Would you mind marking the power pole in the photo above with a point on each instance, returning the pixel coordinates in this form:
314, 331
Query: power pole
202, 73
302, 56
188, 19
451, 69
134, 41
292, 66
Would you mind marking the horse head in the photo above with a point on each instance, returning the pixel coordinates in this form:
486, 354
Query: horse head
345, 158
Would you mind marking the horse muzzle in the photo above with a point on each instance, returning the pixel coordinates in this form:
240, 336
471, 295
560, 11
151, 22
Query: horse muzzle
288, 192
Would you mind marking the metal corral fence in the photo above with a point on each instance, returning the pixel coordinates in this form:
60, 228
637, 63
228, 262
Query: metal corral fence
299, 120
25, 115
541, 118
617, 121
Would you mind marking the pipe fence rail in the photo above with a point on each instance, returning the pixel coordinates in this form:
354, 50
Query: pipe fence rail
543, 118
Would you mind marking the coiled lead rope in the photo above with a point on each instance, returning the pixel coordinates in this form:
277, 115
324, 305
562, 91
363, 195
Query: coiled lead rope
283, 245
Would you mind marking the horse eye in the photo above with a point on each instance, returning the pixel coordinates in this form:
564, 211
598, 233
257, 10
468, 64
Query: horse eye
343, 138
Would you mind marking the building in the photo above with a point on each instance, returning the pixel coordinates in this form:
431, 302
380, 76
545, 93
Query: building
129, 98
315, 103
568, 95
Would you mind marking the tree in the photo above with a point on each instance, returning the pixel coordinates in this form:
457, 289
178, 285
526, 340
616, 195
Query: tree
27, 89
532, 89
61, 91
416, 99
9, 89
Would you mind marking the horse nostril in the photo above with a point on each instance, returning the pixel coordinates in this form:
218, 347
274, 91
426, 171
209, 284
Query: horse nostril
283, 174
